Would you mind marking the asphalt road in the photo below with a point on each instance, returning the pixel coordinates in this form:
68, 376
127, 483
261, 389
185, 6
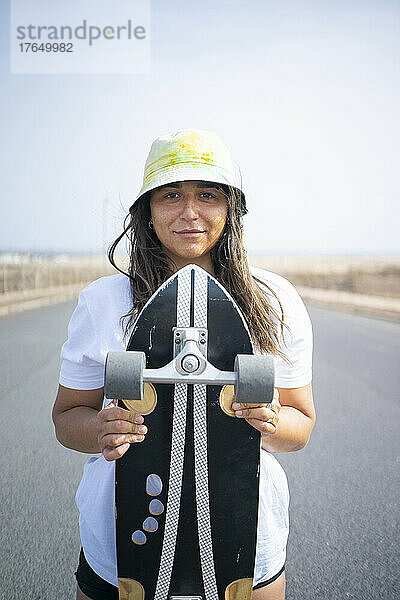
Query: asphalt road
344, 540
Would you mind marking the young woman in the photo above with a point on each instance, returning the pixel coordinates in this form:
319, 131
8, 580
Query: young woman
189, 210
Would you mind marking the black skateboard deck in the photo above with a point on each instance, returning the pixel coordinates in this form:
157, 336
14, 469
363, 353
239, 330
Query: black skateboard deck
187, 496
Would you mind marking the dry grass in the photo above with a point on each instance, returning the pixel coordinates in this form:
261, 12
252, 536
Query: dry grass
378, 276
20, 273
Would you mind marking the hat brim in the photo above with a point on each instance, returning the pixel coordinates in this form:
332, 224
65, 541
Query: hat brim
186, 172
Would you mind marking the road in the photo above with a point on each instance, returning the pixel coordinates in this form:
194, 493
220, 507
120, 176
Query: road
344, 540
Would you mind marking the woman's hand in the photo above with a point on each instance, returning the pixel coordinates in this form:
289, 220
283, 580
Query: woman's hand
117, 429
264, 417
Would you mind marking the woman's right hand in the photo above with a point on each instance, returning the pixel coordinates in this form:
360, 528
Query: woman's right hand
117, 429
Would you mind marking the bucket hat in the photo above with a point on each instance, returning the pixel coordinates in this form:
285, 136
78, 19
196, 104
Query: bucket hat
189, 155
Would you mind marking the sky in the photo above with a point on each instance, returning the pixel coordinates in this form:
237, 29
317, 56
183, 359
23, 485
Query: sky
305, 94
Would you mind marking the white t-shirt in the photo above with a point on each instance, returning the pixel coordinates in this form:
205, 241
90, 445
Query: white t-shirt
94, 330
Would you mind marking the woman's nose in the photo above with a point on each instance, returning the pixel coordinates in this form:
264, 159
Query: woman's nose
189, 208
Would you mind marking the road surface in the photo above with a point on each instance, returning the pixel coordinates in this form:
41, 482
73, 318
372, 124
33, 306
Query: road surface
344, 540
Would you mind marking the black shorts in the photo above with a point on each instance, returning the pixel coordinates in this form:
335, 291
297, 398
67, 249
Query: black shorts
97, 589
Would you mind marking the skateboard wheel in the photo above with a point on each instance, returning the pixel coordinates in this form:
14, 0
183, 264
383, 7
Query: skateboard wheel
130, 589
147, 405
226, 397
241, 589
255, 378
124, 375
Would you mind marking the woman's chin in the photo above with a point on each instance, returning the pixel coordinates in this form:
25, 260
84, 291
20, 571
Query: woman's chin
187, 253
202, 259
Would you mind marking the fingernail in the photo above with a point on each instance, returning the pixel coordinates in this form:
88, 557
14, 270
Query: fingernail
239, 413
140, 438
142, 429
139, 419
235, 405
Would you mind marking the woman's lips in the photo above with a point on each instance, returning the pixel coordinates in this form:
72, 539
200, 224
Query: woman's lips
190, 233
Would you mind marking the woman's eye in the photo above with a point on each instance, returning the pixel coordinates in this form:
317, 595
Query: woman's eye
172, 195
207, 195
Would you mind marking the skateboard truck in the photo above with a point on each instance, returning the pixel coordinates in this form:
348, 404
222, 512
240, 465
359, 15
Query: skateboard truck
190, 349
126, 372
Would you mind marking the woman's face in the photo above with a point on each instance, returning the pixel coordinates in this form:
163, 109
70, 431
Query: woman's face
189, 218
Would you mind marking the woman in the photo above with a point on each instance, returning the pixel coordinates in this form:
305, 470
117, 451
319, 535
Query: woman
189, 210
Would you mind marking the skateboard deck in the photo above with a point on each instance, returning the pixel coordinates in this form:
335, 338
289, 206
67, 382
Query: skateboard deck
187, 496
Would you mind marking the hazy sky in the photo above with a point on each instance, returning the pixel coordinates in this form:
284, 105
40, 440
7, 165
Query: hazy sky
305, 95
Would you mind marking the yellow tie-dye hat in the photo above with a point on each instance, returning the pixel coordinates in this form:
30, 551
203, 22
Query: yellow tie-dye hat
189, 155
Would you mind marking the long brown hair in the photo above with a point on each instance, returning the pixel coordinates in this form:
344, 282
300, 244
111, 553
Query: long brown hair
149, 267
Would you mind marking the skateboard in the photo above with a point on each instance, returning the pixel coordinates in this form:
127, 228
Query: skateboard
187, 496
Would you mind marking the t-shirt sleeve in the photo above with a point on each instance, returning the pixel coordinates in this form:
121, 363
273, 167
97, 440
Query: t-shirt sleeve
79, 368
296, 342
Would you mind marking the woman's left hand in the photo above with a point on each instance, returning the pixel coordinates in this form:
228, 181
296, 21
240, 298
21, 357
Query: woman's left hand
264, 417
